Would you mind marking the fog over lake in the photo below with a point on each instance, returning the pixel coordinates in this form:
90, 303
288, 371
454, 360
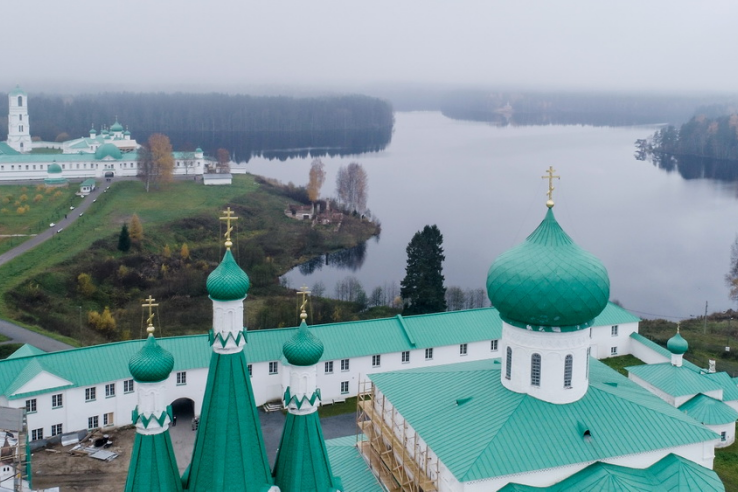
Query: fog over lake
664, 240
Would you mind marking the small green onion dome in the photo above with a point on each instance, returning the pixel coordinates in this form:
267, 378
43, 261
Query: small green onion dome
152, 363
304, 348
126, 132
548, 281
228, 282
677, 344
117, 127
108, 150
54, 168
92, 130
198, 150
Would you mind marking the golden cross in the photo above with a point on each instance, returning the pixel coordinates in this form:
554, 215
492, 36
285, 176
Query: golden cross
550, 179
304, 292
149, 322
229, 227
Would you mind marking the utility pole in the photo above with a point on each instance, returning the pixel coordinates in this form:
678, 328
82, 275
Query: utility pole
704, 326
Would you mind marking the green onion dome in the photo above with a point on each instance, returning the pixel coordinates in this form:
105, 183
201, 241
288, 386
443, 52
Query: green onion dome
117, 127
92, 130
54, 168
152, 363
228, 282
304, 348
677, 344
108, 150
198, 150
548, 282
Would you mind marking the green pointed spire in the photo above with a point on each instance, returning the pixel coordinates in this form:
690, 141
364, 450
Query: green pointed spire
153, 465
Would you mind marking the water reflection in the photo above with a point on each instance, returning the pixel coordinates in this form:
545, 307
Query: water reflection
346, 259
692, 167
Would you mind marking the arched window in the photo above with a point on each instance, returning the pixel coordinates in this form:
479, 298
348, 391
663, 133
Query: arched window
20, 101
508, 363
568, 362
535, 370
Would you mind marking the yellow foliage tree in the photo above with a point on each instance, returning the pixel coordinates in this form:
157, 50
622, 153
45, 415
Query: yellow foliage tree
104, 323
184, 252
38, 198
21, 210
85, 286
135, 230
23, 197
166, 252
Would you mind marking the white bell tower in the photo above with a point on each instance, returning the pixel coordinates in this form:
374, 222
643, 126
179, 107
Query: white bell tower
19, 132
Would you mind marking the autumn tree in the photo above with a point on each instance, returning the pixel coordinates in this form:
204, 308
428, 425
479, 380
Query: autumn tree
317, 178
184, 252
224, 160
422, 289
156, 161
102, 322
135, 231
124, 239
85, 285
351, 187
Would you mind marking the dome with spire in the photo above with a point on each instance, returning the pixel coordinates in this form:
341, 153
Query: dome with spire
677, 345
152, 363
117, 127
304, 348
228, 282
548, 281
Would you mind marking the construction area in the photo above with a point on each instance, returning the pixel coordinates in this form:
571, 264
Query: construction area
392, 449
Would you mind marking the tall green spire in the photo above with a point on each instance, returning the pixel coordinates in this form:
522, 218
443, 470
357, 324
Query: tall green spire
302, 461
152, 460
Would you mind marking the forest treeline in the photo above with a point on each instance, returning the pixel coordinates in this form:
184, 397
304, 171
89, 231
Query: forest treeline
714, 138
274, 126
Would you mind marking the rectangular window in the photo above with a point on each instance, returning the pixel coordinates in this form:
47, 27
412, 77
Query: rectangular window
251, 370
613, 351
37, 434
493, 345
90, 394
329, 367
56, 429
182, 378
406, 357
128, 386
92, 422
273, 368
376, 360
57, 401
108, 419
462, 349
344, 365
31, 405
723, 436
344, 387
428, 354
614, 330
110, 390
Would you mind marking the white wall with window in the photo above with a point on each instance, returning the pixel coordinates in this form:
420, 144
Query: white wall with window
604, 338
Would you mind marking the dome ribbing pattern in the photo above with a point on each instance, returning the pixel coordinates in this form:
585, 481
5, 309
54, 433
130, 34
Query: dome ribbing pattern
228, 282
304, 348
548, 281
152, 363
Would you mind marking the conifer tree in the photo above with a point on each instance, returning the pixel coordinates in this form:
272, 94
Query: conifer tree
124, 239
422, 289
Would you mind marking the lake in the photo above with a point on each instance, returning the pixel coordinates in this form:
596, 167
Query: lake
665, 240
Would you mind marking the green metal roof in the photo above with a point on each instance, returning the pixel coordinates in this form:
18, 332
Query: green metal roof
348, 464
492, 434
229, 452
108, 150
302, 463
152, 363
662, 350
548, 281
730, 390
25, 351
153, 465
88, 366
88, 182
228, 282
673, 380
670, 474
6, 150
614, 315
709, 411
17, 91
303, 348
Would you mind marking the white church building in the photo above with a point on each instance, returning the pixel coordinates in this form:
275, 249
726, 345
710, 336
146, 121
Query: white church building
107, 154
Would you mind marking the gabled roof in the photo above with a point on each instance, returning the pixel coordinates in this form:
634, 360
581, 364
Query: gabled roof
350, 466
662, 350
6, 149
670, 474
730, 390
492, 434
673, 380
26, 350
709, 411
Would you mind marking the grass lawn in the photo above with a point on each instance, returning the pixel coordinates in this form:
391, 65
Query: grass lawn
349, 406
621, 362
8, 348
726, 466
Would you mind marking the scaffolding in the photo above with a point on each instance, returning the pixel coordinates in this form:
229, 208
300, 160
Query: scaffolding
15, 459
391, 449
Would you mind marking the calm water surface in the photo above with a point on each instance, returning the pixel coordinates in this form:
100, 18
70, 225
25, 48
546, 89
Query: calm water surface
664, 240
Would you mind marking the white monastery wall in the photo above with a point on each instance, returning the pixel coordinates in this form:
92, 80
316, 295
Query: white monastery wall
647, 354
729, 430
612, 340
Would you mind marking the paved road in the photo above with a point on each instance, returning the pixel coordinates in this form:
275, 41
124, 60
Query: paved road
22, 335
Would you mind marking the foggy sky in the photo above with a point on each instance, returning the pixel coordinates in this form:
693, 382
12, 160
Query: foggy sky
674, 45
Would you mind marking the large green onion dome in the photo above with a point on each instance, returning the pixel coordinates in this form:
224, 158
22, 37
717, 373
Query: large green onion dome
117, 127
548, 282
54, 168
152, 363
304, 348
677, 344
108, 150
228, 282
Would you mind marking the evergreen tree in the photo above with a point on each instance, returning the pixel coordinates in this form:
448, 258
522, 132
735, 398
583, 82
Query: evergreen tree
124, 240
422, 288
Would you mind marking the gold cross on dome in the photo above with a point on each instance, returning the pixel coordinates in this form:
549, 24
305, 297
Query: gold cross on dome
550, 178
149, 321
229, 216
304, 292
